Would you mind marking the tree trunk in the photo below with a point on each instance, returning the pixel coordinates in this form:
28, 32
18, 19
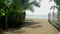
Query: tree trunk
58, 16
1, 31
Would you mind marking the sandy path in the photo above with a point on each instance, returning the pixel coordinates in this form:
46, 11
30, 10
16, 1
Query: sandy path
42, 27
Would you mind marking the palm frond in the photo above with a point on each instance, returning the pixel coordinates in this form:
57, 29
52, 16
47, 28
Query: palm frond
54, 7
24, 4
50, 0
30, 5
30, 8
35, 3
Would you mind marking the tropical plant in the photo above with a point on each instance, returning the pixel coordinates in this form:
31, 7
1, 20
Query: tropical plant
14, 10
53, 10
19, 7
57, 6
57, 23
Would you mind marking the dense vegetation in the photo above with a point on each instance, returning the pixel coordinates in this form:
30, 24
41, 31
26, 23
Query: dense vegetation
12, 12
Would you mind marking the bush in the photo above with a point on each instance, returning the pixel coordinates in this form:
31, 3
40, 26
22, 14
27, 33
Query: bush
14, 20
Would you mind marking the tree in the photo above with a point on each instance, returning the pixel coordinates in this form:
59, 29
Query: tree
57, 2
58, 7
49, 17
14, 10
53, 7
19, 7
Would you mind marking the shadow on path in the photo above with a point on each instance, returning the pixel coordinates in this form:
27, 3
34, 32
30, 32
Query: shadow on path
29, 24
32, 24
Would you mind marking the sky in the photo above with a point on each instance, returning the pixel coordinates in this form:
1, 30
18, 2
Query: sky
43, 10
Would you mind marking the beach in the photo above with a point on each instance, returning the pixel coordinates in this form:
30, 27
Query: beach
36, 26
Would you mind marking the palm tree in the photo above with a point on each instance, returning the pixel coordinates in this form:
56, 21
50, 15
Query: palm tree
58, 11
57, 2
53, 11
19, 7
15, 9
25, 4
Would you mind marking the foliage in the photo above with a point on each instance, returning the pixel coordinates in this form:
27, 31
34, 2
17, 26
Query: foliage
14, 10
58, 7
56, 19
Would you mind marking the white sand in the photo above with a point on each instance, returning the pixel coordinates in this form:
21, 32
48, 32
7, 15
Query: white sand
44, 28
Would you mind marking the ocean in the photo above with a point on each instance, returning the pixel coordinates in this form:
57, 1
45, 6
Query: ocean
37, 16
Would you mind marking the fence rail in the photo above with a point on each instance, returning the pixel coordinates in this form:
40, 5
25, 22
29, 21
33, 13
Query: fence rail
54, 20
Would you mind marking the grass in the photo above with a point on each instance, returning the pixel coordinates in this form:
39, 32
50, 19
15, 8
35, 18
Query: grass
7, 32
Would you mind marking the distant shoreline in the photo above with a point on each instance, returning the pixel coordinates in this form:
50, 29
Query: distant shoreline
37, 16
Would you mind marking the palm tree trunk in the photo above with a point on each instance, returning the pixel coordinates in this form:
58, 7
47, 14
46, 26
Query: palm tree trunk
6, 22
58, 16
6, 19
